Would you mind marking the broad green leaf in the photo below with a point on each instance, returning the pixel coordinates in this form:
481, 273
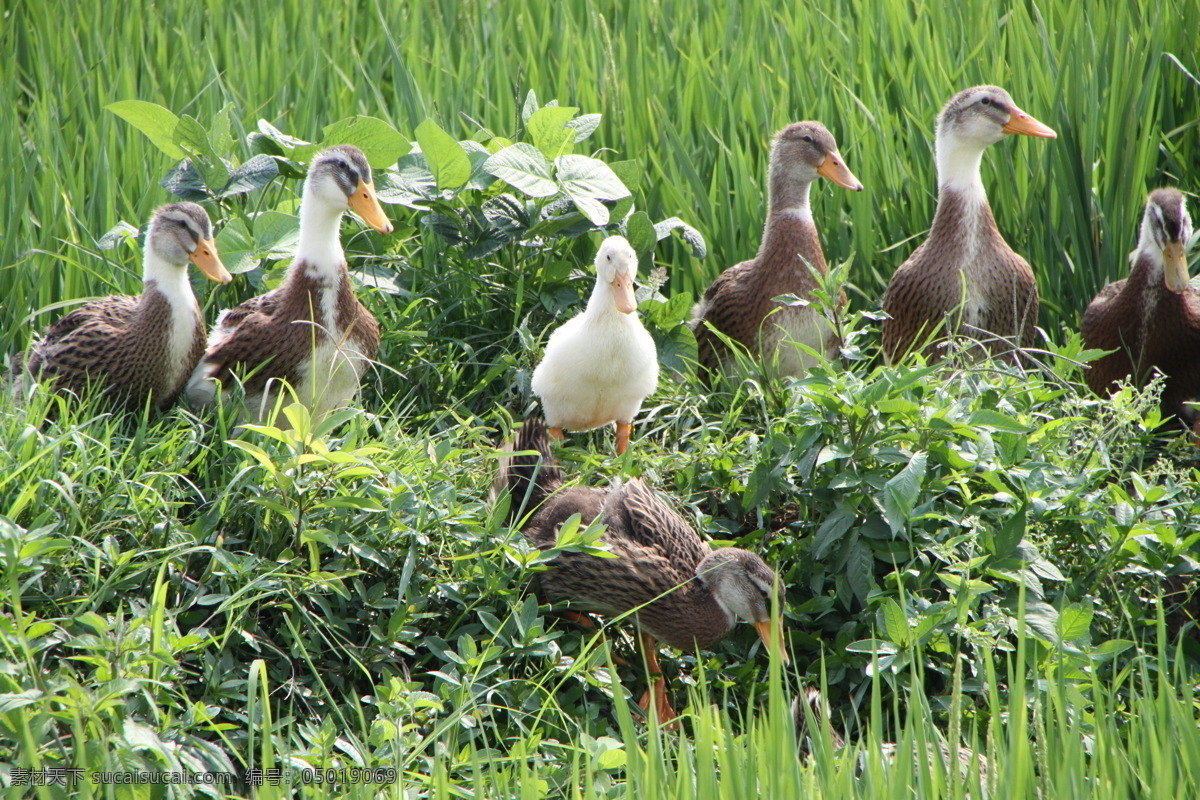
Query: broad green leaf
630, 173
639, 230
193, 139
251, 176
219, 136
236, 246
156, 122
447, 160
994, 419
529, 107
185, 182
584, 127
276, 234
1074, 623
121, 232
686, 232
583, 176
895, 622
591, 208
547, 128
901, 492
523, 167
380, 142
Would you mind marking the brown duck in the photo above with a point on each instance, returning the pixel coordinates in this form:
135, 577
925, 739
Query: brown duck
311, 332
964, 278
1151, 320
742, 297
140, 348
686, 594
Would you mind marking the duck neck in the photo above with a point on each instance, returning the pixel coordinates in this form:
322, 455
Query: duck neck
601, 305
962, 202
790, 231
320, 246
169, 280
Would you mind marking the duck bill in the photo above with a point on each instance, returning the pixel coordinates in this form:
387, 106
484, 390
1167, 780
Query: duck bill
365, 203
623, 298
1175, 271
1025, 125
836, 170
769, 633
207, 261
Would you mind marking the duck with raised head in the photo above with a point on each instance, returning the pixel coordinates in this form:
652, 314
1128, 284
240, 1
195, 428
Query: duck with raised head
741, 299
139, 349
681, 592
1151, 320
601, 364
312, 331
964, 278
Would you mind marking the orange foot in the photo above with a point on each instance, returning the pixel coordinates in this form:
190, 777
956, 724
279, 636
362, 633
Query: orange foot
623, 431
556, 434
655, 701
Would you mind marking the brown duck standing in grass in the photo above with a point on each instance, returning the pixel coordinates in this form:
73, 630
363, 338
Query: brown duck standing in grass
145, 347
312, 331
1151, 319
742, 297
686, 594
965, 278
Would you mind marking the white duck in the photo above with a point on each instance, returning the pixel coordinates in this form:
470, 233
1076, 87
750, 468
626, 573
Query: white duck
311, 332
601, 364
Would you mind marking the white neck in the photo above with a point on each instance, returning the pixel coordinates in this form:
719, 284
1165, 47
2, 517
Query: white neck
958, 164
169, 279
799, 208
320, 245
601, 303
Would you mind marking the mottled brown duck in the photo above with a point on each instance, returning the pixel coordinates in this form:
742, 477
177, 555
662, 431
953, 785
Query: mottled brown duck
139, 349
965, 279
742, 297
1151, 320
311, 332
602, 363
681, 592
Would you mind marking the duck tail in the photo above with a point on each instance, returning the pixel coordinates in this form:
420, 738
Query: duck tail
527, 470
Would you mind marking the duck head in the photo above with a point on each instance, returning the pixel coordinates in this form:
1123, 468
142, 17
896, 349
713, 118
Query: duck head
802, 152
616, 267
1166, 229
182, 232
973, 120
339, 179
746, 588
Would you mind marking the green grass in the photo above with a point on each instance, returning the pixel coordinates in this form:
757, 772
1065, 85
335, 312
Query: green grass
972, 555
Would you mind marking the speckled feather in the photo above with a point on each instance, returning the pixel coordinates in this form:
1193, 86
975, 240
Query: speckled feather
657, 551
1001, 296
274, 335
1150, 328
120, 342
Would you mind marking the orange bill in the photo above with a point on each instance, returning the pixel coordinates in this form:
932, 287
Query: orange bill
1175, 270
836, 170
206, 259
622, 286
366, 205
768, 632
1022, 123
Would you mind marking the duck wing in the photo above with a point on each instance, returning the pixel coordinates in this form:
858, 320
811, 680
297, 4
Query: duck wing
732, 306
76, 342
1103, 329
654, 525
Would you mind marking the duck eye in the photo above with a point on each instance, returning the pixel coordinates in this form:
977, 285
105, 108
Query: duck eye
808, 138
987, 101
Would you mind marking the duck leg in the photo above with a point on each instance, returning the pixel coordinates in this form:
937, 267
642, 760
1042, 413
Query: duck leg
588, 622
655, 699
623, 431
556, 434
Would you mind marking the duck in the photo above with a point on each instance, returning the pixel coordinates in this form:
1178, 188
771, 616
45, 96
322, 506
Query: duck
601, 364
1151, 320
680, 591
138, 349
964, 278
312, 331
742, 297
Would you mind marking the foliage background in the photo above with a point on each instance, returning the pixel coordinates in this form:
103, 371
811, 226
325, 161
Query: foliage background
182, 593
